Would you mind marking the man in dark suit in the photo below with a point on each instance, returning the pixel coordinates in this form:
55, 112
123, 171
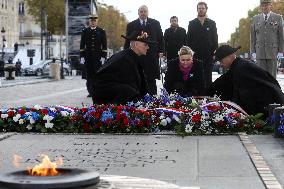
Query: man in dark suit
175, 38
151, 60
202, 38
245, 83
121, 79
93, 49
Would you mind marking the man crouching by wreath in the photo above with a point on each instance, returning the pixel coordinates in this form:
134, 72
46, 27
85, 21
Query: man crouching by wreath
121, 79
245, 83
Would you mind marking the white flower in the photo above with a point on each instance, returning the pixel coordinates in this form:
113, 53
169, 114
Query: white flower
175, 117
218, 118
204, 101
162, 116
47, 118
32, 121
37, 107
4, 116
28, 113
48, 125
52, 109
21, 121
17, 117
172, 102
205, 123
164, 122
64, 113
29, 127
188, 128
168, 120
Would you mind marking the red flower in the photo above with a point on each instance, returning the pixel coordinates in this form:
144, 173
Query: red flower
221, 123
196, 118
84, 110
125, 121
44, 111
148, 122
11, 113
86, 127
178, 104
235, 115
108, 121
22, 111
33, 109
213, 108
258, 125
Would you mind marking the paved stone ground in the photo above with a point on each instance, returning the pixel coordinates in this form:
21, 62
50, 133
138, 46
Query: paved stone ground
272, 150
204, 161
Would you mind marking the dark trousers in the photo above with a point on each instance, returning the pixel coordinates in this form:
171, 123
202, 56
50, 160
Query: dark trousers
152, 87
92, 65
206, 75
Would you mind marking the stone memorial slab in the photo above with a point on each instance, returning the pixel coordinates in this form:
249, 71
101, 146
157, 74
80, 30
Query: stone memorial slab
183, 161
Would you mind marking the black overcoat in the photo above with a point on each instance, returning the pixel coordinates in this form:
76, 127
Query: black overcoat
120, 79
174, 79
249, 86
202, 39
151, 60
175, 38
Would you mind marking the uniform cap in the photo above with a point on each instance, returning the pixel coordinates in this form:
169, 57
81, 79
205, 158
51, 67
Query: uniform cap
93, 16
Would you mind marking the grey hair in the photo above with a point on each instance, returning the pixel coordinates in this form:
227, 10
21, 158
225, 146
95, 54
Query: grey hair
185, 50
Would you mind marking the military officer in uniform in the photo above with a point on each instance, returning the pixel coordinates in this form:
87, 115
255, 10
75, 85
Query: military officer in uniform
93, 50
267, 38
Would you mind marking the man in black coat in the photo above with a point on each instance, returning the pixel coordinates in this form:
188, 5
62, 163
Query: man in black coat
202, 38
93, 48
151, 60
245, 83
121, 79
175, 38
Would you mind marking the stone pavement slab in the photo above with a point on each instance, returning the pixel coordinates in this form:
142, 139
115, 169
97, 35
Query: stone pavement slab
201, 161
272, 150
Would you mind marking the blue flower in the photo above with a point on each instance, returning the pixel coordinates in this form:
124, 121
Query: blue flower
148, 98
281, 130
35, 116
106, 115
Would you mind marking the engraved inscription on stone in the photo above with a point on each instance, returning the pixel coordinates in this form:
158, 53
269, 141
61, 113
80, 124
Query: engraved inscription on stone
103, 156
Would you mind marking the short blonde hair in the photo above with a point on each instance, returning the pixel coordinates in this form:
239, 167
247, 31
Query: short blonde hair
185, 50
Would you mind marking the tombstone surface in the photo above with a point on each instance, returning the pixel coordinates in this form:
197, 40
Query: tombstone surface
204, 161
